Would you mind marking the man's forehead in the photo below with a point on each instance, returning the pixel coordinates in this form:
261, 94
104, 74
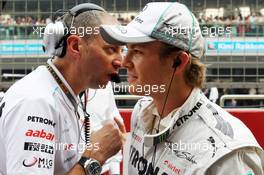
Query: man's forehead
100, 39
145, 45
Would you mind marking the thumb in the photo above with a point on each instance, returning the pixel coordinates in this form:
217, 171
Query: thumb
120, 125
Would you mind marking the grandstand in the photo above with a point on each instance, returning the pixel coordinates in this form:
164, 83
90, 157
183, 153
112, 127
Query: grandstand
234, 32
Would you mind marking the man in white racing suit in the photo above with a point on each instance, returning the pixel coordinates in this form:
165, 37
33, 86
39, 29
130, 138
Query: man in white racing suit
177, 130
40, 127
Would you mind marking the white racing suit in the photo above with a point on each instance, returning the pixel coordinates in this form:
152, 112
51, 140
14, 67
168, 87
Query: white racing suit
203, 139
39, 129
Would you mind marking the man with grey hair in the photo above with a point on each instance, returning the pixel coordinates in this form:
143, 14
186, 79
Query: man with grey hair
41, 131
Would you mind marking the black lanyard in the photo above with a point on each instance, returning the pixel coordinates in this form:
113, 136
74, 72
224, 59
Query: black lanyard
86, 121
63, 87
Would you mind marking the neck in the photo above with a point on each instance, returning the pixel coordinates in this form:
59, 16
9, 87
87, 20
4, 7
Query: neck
68, 72
174, 100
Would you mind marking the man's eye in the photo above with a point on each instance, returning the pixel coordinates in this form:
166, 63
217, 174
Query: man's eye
111, 50
137, 51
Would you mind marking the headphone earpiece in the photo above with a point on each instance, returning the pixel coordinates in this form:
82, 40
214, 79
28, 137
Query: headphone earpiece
53, 35
56, 34
176, 63
53, 38
60, 46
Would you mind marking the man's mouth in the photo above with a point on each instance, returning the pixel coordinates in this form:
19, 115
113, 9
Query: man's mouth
114, 77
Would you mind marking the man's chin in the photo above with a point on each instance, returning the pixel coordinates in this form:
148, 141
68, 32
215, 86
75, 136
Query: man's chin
102, 85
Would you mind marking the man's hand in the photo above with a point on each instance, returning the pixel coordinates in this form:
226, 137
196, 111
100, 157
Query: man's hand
122, 128
110, 140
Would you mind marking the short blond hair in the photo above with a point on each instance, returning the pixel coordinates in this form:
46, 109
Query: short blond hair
194, 74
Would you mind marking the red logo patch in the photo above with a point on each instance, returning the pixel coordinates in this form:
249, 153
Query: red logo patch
40, 134
172, 167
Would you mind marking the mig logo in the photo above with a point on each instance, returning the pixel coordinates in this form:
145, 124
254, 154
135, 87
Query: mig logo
30, 162
38, 162
40, 134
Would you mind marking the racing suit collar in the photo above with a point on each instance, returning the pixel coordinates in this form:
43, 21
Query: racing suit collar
147, 119
151, 118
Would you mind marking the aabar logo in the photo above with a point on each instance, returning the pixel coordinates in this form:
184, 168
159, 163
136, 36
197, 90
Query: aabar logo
30, 163
40, 134
172, 167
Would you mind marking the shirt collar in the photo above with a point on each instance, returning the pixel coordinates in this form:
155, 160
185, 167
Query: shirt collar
151, 118
147, 118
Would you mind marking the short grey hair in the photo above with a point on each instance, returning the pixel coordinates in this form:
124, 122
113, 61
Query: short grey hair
91, 19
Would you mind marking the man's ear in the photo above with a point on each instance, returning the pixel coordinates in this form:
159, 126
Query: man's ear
181, 60
176, 63
73, 42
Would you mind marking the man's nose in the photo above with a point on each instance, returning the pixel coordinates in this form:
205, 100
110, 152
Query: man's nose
126, 62
116, 63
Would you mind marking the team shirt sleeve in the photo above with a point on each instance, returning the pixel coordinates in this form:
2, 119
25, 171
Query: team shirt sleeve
245, 161
30, 138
